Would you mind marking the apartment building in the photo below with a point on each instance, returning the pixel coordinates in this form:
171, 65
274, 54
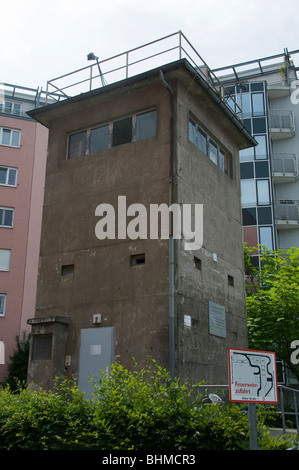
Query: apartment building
162, 136
23, 144
267, 90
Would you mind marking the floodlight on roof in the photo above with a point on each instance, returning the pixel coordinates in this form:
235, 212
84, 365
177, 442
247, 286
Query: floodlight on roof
92, 56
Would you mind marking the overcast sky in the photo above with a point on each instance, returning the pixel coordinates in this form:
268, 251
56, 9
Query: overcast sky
42, 40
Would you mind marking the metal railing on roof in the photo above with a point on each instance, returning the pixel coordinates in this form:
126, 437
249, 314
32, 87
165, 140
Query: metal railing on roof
18, 93
257, 67
134, 61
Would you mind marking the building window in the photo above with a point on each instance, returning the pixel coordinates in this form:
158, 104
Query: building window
99, 139
2, 304
202, 141
10, 137
266, 238
230, 280
246, 155
192, 132
258, 108
216, 154
8, 176
243, 101
145, 125
249, 216
135, 260
261, 152
248, 192
67, 270
197, 263
264, 215
246, 170
4, 260
122, 131
9, 107
77, 144
112, 134
6, 217
213, 152
263, 193
259, 125
262, 169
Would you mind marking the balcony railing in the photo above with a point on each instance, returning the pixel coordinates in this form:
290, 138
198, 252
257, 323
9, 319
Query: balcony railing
282, 124
13, 98
284, 168
135, 61
287, 214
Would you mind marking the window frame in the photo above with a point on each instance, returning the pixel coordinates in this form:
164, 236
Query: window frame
3, 296
11, 130
4, 108
7, 267
8, 169
224, 163
250, 190
12, 219
260, 191
264, 228
110, 126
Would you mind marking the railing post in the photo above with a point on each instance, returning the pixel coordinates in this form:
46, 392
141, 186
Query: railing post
180, 45
127, 64
47, 93
252, 426
90, 79
282, 411
296, 411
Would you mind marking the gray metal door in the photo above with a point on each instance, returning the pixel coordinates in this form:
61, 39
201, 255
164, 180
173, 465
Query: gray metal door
96, 354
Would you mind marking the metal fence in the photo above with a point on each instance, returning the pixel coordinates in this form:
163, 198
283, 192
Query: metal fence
287, 211
135, 61
285, 164
282, 119
287, 407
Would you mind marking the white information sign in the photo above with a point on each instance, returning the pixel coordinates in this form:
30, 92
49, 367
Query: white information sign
252, 376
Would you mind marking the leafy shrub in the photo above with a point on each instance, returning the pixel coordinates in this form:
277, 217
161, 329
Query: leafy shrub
141, 410
17, 367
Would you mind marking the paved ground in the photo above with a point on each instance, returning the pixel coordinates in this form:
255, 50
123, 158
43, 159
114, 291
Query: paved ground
279, 432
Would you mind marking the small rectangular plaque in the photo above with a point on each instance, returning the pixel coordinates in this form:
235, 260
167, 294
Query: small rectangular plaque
95, 349
217, 321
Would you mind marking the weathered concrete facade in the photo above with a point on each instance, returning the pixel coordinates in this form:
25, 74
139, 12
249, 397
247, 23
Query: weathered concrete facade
152, 317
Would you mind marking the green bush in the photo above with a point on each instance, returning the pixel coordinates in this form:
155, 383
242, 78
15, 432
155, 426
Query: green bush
18, 363
142, 410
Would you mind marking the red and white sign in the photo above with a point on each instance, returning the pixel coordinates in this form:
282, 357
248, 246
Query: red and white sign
252, 376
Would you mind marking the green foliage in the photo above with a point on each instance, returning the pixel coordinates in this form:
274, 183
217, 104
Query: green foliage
142, 410
17, 367
273, 303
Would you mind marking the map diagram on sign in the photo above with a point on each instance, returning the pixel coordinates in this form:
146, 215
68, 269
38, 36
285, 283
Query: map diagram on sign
252, 376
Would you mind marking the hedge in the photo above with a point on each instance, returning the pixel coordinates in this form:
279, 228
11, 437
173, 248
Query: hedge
139, 409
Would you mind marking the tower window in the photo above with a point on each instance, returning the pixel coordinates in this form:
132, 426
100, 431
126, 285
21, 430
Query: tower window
197, 263
67, 270
137, 259
122, 131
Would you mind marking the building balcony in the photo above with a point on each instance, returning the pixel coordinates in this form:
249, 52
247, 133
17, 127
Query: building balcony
286, 214
281, 123
284, 168
278, 90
